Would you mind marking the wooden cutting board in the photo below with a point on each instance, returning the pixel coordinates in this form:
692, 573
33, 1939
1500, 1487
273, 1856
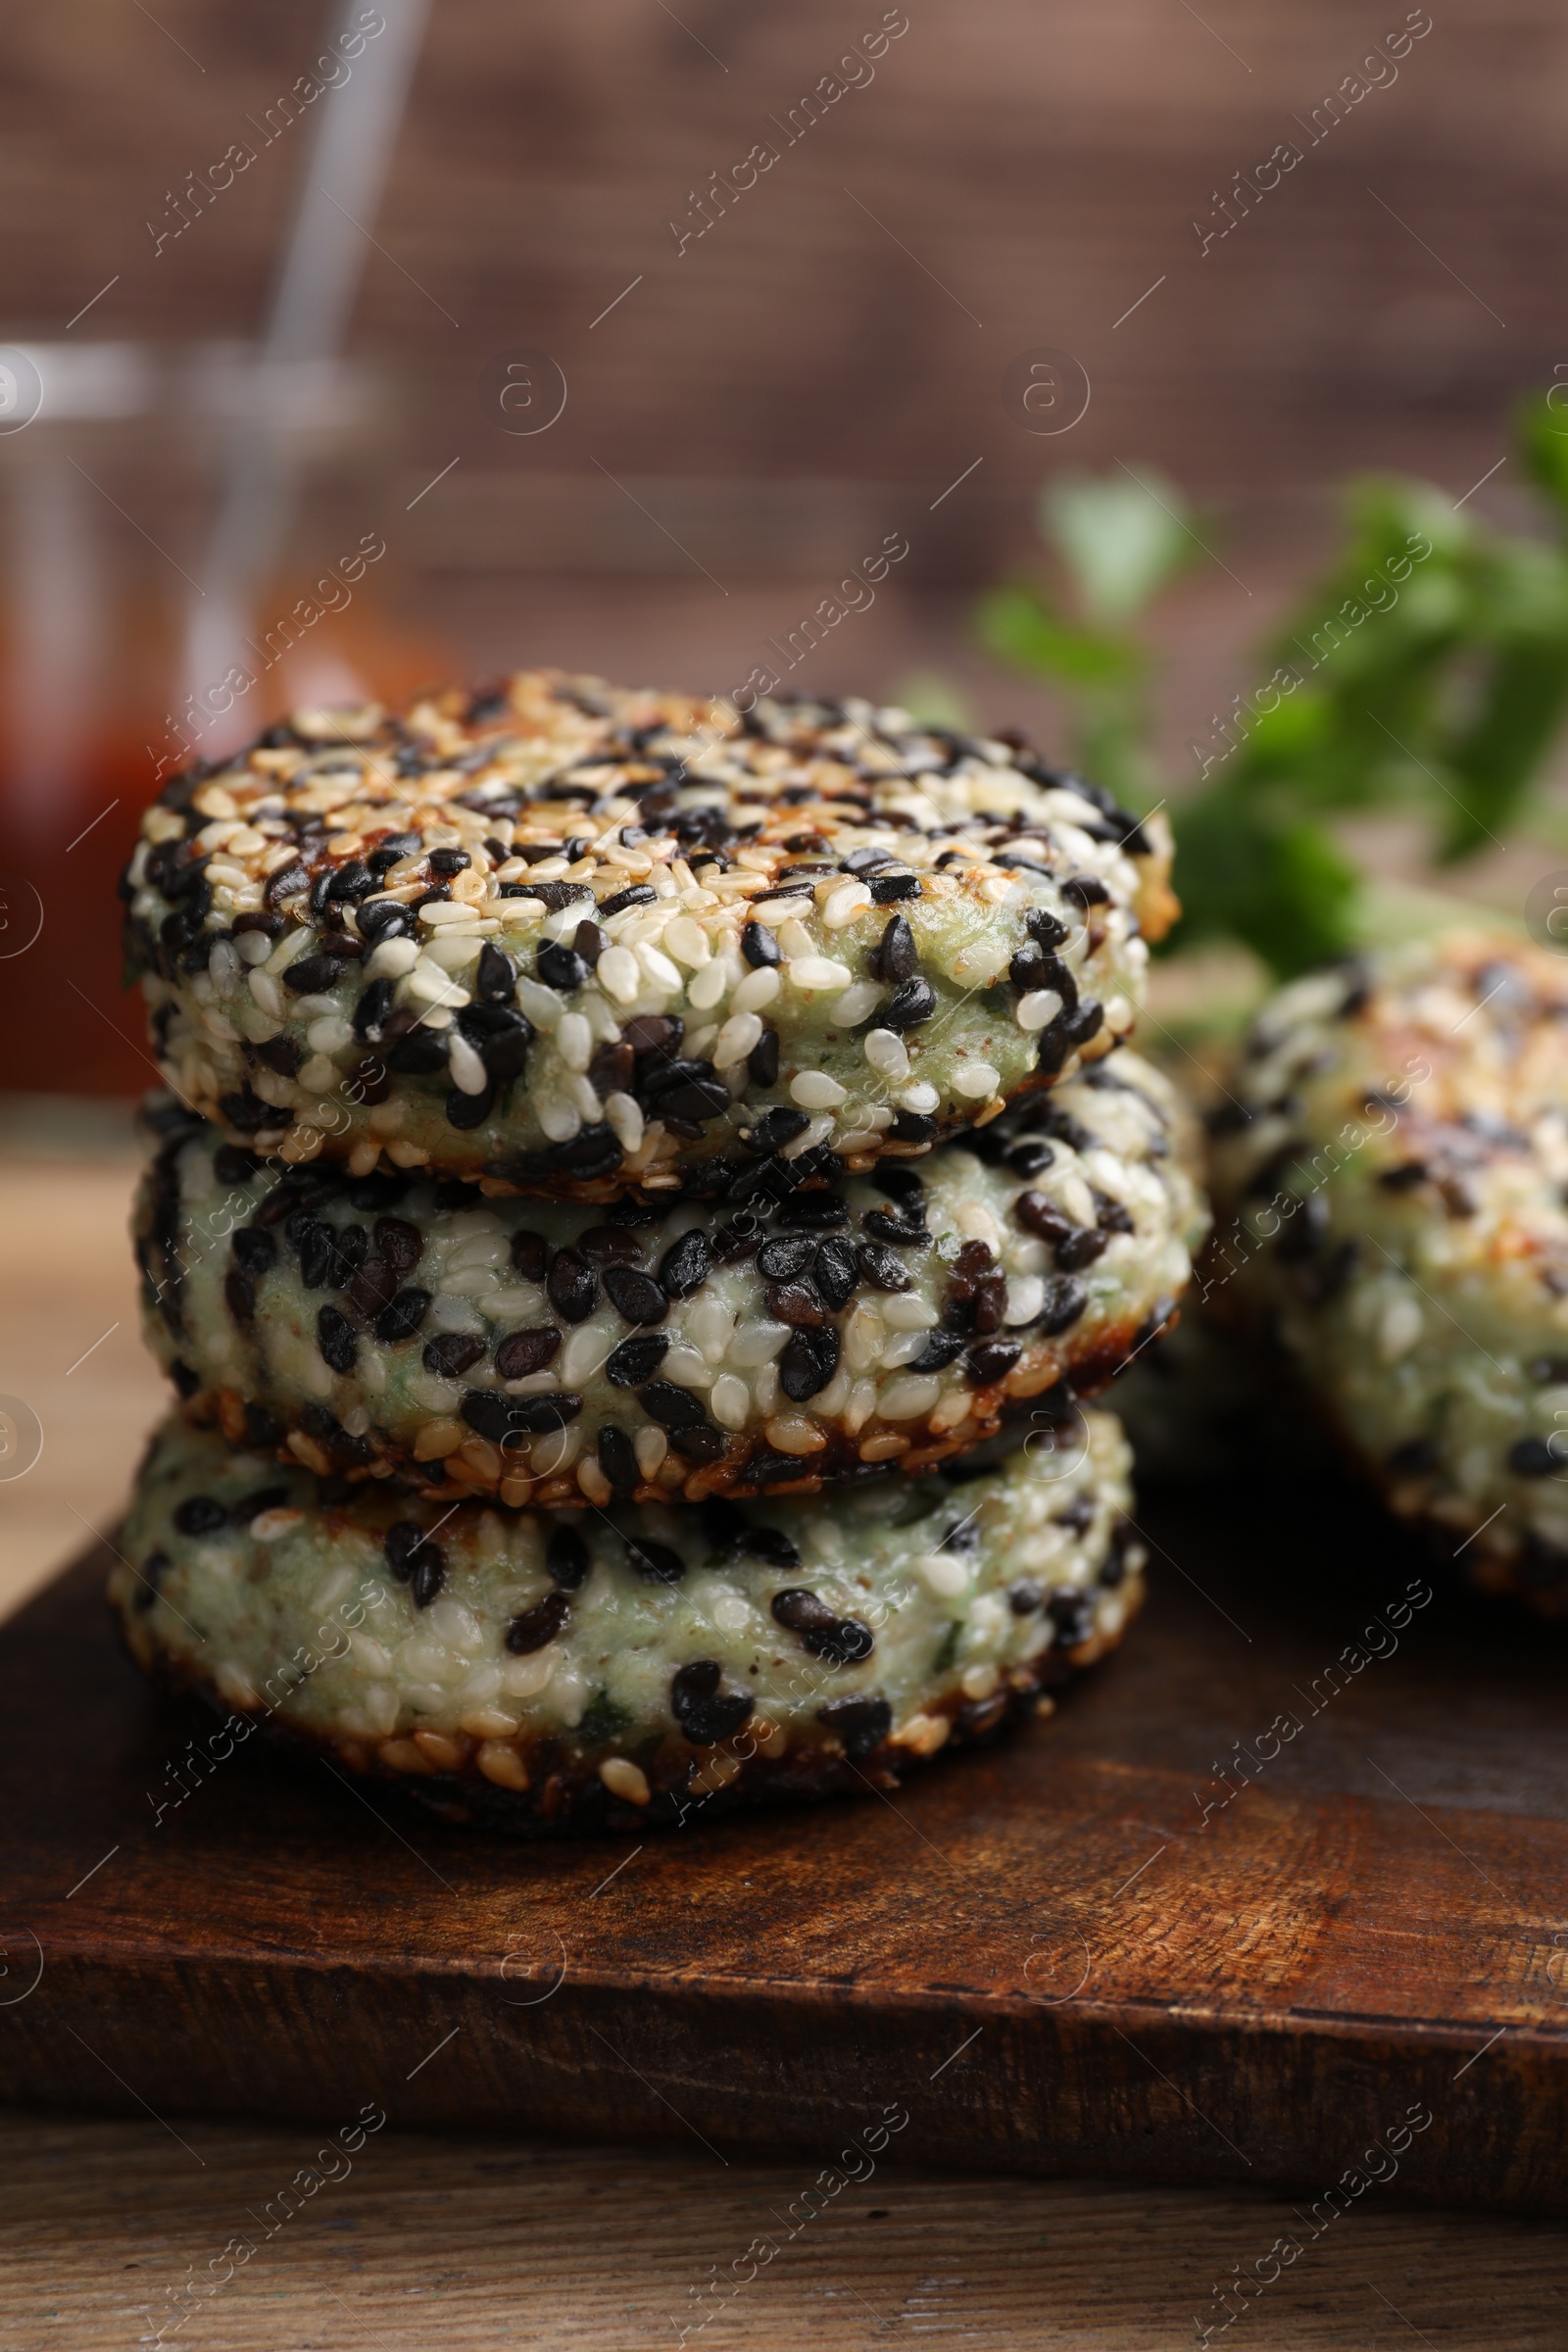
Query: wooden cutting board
1085, 1950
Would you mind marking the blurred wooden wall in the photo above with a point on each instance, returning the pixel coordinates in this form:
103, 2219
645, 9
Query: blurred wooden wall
778, 388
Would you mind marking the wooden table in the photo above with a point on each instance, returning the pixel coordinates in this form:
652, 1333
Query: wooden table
501, 2243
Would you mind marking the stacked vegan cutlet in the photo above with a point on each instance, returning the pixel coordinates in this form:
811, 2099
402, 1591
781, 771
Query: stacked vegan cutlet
643, 1188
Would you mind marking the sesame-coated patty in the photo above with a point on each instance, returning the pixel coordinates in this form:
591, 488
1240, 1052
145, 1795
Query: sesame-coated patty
574, 938
1390, 1187
558, 1354
585, 1671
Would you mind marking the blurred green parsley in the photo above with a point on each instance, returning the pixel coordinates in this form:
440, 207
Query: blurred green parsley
1428, 669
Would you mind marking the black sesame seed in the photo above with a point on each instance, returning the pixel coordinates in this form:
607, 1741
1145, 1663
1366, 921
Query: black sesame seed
671, 1407
940, 1349
836, 1272
561, 967
200, 1515
1081, 1247
1533, 1457
312, 975
896, 958
336, 1338
699, 1442
429, 1575
655, 1564
1029, 1156
618, 1456
813, 1212
1065, 1300
637, 893
450, 1354
401, 1317
704, 1713
768, 1544
255, 1249
239, 1295
761, 1062
448, 861
841, 1641
784, 1256
685, 1264
909, 1004
861, 1723
636, 1360
635, 1297
537, 1627
466, 1110
991, 1361
572, 1286
774, 1129
887, 889
495, 977
521, 1352
566, 1557
912, 1127
881, 1267
404, 1546
809, 1362
530, 1254
1072, 1613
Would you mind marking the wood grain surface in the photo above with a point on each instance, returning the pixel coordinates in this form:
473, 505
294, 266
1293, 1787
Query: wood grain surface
1085, 1949
518, 2240
516, 2245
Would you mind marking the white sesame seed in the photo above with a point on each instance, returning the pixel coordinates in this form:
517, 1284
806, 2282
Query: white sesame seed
845, 903
859, 1407
818, 971
919, 1098
887, 1054
618, 973
559, 1119
389, 962
626, 1121
794, 1433
268, 995
757, 1343
736, 1038
650, 1446
542, 1005
906, 1398
901, 1349
686, 1366
813, 1090
905, 1311
1026, 1296
329, 1035
1038, 1009
758, 988
622, 1778
574, 1040
706, 991
687, 941
255, 946
942, 1572
659, 968
857, 1005
730, 1401
709, 1326
975, 1080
